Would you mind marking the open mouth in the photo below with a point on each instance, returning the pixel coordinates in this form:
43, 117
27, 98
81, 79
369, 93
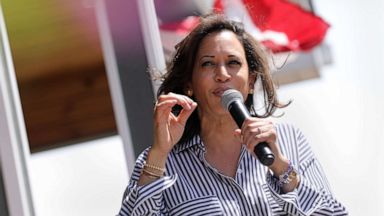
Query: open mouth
219, 91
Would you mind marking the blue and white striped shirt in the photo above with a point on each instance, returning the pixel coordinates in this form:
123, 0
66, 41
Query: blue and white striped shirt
191, 186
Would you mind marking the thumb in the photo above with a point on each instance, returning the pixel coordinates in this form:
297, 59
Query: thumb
184, 114
238, 135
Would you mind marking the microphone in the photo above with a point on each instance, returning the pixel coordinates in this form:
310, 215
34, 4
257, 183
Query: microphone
233, 101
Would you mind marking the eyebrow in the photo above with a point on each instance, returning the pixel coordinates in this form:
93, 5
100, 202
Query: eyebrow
233, 56
211, 56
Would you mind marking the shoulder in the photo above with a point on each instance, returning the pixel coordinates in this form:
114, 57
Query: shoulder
286, 136
292, 141
286, 131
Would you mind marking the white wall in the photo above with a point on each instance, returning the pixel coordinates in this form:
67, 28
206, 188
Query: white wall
83, 179
342, 112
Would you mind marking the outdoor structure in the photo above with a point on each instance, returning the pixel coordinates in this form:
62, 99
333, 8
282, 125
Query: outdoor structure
78, 71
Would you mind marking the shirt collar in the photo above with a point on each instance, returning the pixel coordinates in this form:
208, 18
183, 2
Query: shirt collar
195, 141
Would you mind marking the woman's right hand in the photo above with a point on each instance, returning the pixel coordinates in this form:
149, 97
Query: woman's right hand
169, 128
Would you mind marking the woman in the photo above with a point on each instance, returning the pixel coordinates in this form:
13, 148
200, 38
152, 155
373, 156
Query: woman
201, 163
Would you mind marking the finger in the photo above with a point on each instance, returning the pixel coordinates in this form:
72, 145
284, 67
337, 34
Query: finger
249, 126
254, 126
182, 100
251, 132
255, 132
163, 109
250, 121
267, 136
252, 143
181, 96
165, 105
185, 114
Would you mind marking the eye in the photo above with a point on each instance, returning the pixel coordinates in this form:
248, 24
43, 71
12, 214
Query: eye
208, 64
234, 63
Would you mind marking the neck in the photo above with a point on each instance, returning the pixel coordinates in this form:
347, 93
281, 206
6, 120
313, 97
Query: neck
222, 147
218, 133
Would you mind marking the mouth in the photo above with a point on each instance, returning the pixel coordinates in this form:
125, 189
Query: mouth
219, 91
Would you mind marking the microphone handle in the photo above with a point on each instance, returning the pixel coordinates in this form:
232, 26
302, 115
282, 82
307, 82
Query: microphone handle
238, 112
264, 154
262, 150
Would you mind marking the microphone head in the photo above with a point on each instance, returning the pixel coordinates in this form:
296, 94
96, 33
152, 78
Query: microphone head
229, 96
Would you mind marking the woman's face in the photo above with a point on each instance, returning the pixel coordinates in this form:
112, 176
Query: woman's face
220, 64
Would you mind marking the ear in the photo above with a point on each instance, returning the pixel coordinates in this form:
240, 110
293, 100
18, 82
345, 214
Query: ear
188, 90
252, 80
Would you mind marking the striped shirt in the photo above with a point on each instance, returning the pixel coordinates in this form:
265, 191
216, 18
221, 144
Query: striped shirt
191, 186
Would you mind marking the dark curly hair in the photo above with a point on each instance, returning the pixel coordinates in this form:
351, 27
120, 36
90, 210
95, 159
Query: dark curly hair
179, 70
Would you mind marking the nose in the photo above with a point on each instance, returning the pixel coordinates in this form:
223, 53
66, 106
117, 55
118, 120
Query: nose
221, 73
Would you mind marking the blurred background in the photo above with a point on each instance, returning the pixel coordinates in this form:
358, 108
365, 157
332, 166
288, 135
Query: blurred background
76, 96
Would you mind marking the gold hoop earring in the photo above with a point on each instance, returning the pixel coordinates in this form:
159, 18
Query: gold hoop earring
189, 92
